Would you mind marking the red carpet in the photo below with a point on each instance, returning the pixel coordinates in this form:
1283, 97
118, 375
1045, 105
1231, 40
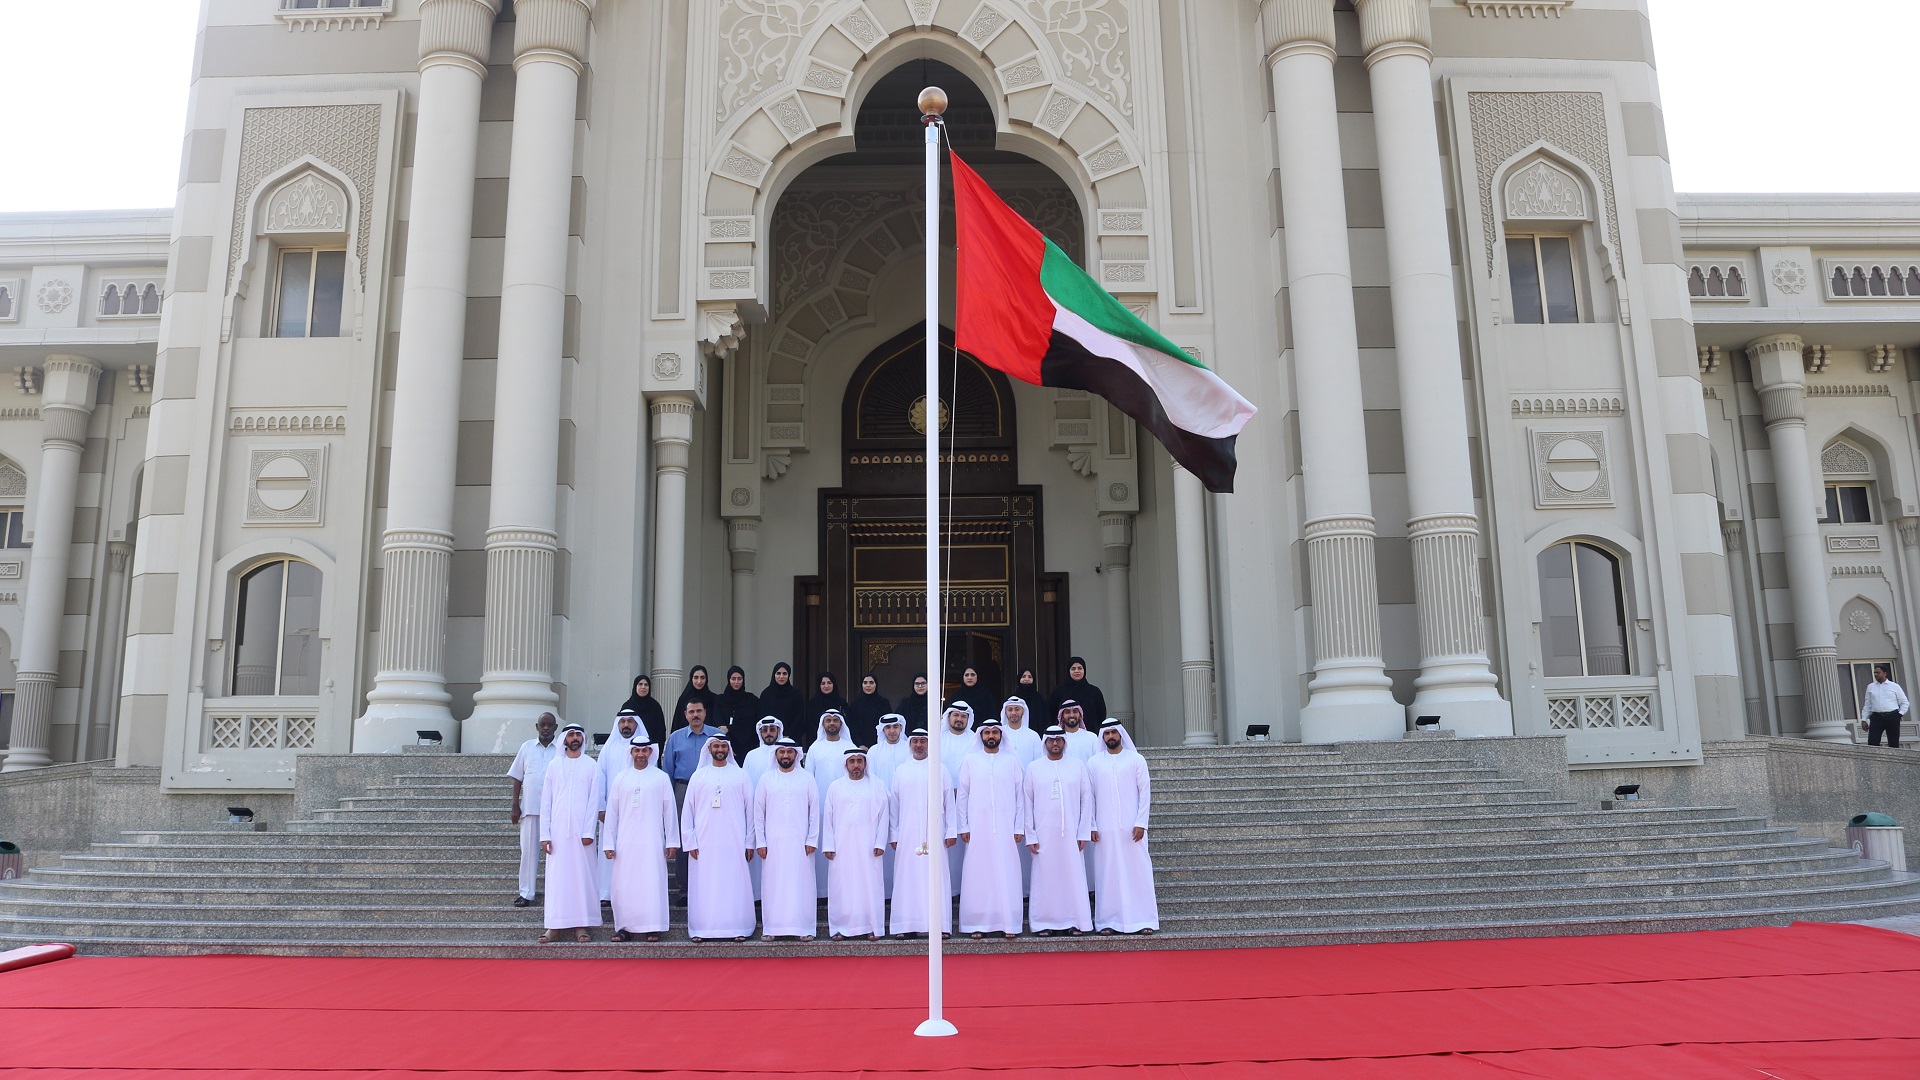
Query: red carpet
1808, 1002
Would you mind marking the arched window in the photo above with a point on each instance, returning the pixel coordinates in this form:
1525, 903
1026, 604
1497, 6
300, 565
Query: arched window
1848, 472
1583, 611
276, 643
1547, 214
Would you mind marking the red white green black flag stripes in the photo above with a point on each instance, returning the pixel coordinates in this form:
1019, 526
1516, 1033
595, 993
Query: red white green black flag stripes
1022, 306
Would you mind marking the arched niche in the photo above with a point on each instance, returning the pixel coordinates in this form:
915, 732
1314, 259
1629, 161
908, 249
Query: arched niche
884, 416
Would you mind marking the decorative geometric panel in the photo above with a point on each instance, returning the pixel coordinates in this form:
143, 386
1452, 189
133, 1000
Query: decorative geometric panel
227, 732
346, 137
1636, 710
1563, 714
286, 487
308, 203
1542, 190
13, 482
1602, 710
263, 732
1504, 124
300, 732
1843, 460
1571, 468
1596, 712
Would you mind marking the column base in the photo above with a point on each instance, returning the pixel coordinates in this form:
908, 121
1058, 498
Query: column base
503, 715
1196, 684
400, 708
1353, 721
1468, 718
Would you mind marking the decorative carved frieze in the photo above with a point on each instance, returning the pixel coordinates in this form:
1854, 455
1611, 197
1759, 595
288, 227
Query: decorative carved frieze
1544, 190
322, 421
1608, 403
1840, 459
1091, 43
363, 15
1849, 544
1850, 390
1517, 9
811, 227
758, 41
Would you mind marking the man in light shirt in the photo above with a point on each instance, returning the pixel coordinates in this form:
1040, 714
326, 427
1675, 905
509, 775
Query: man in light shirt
1882, 707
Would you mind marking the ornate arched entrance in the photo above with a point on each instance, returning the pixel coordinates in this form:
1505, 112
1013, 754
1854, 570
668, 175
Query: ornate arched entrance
866, 608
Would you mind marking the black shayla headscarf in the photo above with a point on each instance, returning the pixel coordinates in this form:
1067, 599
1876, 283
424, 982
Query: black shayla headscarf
863, 718
788, 702
647, 707
739, 712
704, 695
1083, 693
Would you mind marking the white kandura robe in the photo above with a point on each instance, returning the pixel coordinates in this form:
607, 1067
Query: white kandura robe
717, 822
854, 828
1082, 745
1059, 817
570, 799
616, 760
759, 762
1122, 798
826, 762
882, 760
992, 813
907, 813
641, 825
786, 821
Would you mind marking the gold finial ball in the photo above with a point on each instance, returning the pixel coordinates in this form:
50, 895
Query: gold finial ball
933, 101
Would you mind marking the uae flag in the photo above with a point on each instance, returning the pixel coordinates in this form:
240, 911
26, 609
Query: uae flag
1022, 306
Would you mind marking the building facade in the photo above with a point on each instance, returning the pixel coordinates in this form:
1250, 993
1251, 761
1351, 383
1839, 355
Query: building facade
500, 352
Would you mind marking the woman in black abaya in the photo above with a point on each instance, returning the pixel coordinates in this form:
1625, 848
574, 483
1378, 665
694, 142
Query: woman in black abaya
784, 699
914, 705
1078, 690
827, 696
737, 710
697, 690
975, 693
647, 707
869, 705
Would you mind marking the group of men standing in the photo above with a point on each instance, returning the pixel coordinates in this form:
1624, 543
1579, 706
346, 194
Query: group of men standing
1029, 825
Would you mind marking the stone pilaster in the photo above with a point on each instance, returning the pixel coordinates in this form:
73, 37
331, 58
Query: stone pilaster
1349, 696
672, 453
1456, 682
1192, 558
1780, 377
66, 405
743, 551
1116, 538
410, 685
549, 53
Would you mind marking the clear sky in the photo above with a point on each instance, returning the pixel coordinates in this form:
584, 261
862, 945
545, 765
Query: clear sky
1760, 95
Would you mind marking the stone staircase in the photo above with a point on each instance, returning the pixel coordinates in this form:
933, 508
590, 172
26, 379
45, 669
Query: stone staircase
1253, 845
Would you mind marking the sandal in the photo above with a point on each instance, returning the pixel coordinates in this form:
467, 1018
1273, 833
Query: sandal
977, 937
618, 935
548, 938
1148, 932
653, 937
837, 937
739, 939
582, 936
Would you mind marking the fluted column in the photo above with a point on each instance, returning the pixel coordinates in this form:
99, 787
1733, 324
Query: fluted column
410, 687
516, 683
672, 451
1779, 375
1196, 608
66, 403
112, 654
1350, 696
1455, 682
1116, 537
743, 548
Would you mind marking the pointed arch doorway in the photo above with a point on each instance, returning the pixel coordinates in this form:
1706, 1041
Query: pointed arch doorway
866, 608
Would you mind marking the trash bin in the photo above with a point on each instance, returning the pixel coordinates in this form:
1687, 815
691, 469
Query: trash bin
1876, 837
12, 862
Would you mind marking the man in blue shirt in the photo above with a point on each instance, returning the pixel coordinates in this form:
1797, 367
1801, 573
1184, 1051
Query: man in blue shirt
685, 747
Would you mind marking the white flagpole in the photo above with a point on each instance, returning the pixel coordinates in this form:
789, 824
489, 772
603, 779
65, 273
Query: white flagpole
933, 102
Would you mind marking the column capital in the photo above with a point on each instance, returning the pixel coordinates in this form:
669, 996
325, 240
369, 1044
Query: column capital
457, 32
1779, 374
551, 30
1116, 532
1297, 26
1391, 28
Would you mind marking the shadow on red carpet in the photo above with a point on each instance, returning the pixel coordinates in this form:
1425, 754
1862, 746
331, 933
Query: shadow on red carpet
1807, 1002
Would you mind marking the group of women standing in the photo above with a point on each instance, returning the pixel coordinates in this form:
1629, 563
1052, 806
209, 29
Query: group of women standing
739, 710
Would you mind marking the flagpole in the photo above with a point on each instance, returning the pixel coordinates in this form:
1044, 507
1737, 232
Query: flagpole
933, 102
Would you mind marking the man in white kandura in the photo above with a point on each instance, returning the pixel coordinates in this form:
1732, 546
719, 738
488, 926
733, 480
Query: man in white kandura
786, 828
569, 815
1081, 743
993, 823
826, 761
1122, 798
957, 738
759, 763
615, 760
1019, 736
882, 760
716, 828
917, 861
529, 770
640, 835
1059, 824
853, 837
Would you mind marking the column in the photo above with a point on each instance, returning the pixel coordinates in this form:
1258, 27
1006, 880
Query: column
66, 404
1350, 696
1779, 375
672, 450
110, 656
1752, 661
549, 47
1455, 682
743, 547
410, 686
1116, 537
1196, 607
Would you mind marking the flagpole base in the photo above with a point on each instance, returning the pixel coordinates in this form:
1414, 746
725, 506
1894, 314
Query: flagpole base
935, 1028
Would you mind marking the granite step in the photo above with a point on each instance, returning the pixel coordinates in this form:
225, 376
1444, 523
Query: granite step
1312, 876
